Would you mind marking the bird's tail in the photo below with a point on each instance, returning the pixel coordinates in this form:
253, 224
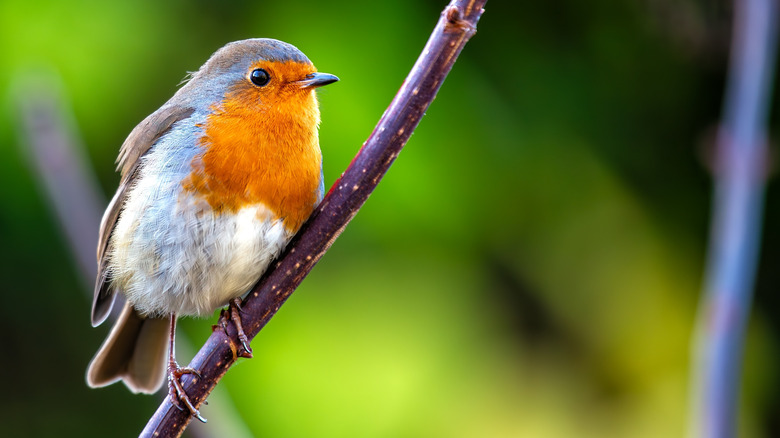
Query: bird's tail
134, 352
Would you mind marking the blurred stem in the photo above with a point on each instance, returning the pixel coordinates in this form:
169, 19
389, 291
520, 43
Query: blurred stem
59, 162
740, 174
456, 25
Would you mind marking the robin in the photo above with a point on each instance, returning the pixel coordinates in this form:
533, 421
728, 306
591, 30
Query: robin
214, 184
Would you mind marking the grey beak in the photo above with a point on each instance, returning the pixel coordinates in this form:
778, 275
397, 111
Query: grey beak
315, 80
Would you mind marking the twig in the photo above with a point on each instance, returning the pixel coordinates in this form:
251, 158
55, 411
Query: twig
456, 25
736, 227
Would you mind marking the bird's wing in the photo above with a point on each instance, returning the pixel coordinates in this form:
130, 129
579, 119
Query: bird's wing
140, 140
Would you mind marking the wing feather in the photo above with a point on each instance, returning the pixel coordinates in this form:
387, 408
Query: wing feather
138, 143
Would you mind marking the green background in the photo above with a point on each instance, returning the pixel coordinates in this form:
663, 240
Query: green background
529, 267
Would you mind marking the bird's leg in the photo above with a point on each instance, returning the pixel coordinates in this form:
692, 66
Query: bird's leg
175, 372
233, 312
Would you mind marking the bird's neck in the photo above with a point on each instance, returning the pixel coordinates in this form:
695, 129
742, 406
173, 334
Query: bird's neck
270, 157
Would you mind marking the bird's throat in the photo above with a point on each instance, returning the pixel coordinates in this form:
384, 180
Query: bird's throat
270, 157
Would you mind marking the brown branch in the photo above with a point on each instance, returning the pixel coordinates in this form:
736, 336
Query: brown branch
456, 25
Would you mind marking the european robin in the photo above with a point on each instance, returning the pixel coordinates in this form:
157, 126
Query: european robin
214, 184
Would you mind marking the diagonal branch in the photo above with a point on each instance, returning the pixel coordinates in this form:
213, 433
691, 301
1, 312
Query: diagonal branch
456, 25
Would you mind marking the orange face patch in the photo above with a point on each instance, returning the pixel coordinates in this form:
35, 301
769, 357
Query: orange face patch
261, 146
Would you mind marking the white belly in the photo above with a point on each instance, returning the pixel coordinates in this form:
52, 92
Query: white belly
180, 257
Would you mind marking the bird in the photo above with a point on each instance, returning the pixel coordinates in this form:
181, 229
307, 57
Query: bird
213, 186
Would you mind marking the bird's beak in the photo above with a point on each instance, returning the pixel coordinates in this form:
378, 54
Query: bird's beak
315, 80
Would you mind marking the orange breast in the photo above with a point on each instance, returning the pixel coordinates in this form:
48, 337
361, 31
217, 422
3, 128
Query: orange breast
261, 149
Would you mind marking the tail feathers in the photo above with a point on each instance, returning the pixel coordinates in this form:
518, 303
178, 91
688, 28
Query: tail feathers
134, 352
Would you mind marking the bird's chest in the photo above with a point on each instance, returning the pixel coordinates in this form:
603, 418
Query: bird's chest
183, 257
206, 217
251, 160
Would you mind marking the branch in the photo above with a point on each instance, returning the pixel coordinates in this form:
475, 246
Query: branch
736, 224
456, 25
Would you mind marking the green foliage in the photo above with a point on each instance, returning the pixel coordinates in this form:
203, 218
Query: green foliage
529, 267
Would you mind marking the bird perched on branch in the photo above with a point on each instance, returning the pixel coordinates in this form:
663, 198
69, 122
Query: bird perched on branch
214, 184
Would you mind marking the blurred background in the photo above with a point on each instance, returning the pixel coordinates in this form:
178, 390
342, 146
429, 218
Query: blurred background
529, 267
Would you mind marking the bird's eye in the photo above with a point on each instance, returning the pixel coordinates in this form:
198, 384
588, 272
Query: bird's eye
259, 77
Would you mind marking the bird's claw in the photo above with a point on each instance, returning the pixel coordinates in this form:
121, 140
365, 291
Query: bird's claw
233, 312
176, 390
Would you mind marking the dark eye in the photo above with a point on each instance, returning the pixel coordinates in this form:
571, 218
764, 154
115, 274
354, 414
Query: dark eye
259, 77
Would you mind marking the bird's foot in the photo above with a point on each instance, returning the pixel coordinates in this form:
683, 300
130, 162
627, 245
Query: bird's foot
176, 391
233, 312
